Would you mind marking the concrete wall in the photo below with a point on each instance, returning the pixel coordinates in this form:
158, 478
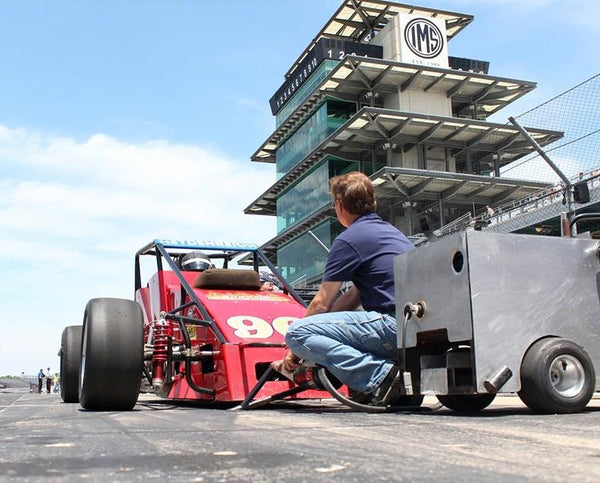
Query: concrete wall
430, 102
389, 39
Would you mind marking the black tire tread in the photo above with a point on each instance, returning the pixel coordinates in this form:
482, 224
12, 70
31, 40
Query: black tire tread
113, 349
537, 391
466, 403
70, 361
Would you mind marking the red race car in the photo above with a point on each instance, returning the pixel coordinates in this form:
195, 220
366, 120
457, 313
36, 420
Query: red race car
204, 327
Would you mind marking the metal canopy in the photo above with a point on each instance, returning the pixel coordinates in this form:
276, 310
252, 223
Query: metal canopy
407, 184
359, 20
373, 129
461, 188
359, 78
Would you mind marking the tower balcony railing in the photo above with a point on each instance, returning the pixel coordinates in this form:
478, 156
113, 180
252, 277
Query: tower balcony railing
534, 209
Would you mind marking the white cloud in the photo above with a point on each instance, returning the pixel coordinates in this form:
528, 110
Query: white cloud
73, 214
105, 180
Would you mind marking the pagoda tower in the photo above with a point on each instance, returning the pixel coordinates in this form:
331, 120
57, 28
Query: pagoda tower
376, 91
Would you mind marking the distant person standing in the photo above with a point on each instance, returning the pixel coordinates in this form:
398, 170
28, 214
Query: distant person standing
57, 382
48, 381
41, 377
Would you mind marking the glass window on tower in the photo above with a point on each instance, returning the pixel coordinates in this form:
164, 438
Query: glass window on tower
304, 258
310, 193
306, 90
318, 127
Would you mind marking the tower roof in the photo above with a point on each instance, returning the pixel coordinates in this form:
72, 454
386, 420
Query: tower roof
360, 19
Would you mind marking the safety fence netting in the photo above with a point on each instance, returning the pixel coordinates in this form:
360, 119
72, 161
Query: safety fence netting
571, 161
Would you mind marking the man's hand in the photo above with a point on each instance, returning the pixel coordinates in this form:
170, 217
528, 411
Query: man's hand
287, 365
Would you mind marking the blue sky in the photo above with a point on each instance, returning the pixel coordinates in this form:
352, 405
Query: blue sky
124, 121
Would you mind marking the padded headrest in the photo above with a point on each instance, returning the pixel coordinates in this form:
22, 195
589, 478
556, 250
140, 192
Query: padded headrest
227, 279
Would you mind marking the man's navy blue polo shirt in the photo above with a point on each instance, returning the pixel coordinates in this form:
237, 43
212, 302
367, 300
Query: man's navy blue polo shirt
364, 254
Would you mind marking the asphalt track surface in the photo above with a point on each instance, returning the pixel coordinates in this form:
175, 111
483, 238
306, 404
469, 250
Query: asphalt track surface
44, 439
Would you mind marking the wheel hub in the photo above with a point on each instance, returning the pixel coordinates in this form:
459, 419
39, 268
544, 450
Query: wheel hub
567, 375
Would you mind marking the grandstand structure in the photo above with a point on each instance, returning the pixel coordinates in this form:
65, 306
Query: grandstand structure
377, 91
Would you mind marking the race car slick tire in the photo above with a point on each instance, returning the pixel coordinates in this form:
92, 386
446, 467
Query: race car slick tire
466, 403
70, 360
557, 376
112, 355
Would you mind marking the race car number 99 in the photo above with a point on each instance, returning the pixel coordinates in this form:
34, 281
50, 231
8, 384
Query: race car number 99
249, 327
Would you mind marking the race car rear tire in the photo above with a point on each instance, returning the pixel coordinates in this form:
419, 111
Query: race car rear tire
70, 361
466, 403
112, 355
557, 376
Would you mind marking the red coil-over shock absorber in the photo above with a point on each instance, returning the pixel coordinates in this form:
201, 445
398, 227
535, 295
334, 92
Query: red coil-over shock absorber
162, 332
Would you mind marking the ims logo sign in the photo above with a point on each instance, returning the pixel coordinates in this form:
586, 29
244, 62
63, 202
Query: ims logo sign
424, 38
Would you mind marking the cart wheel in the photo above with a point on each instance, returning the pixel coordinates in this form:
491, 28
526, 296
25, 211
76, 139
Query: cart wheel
407, 401
466, 403
557, 376
70, 360
112, 355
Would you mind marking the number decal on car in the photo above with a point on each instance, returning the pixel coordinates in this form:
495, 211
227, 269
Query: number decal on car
281, 324
250, 327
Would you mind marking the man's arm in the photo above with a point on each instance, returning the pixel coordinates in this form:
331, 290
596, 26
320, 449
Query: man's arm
325, 298
322, 302
349, 300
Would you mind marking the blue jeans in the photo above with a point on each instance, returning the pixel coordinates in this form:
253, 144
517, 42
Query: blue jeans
356, 347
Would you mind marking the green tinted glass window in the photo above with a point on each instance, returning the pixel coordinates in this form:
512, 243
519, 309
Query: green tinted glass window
304, 258
318, 127
310, 193
305, 90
